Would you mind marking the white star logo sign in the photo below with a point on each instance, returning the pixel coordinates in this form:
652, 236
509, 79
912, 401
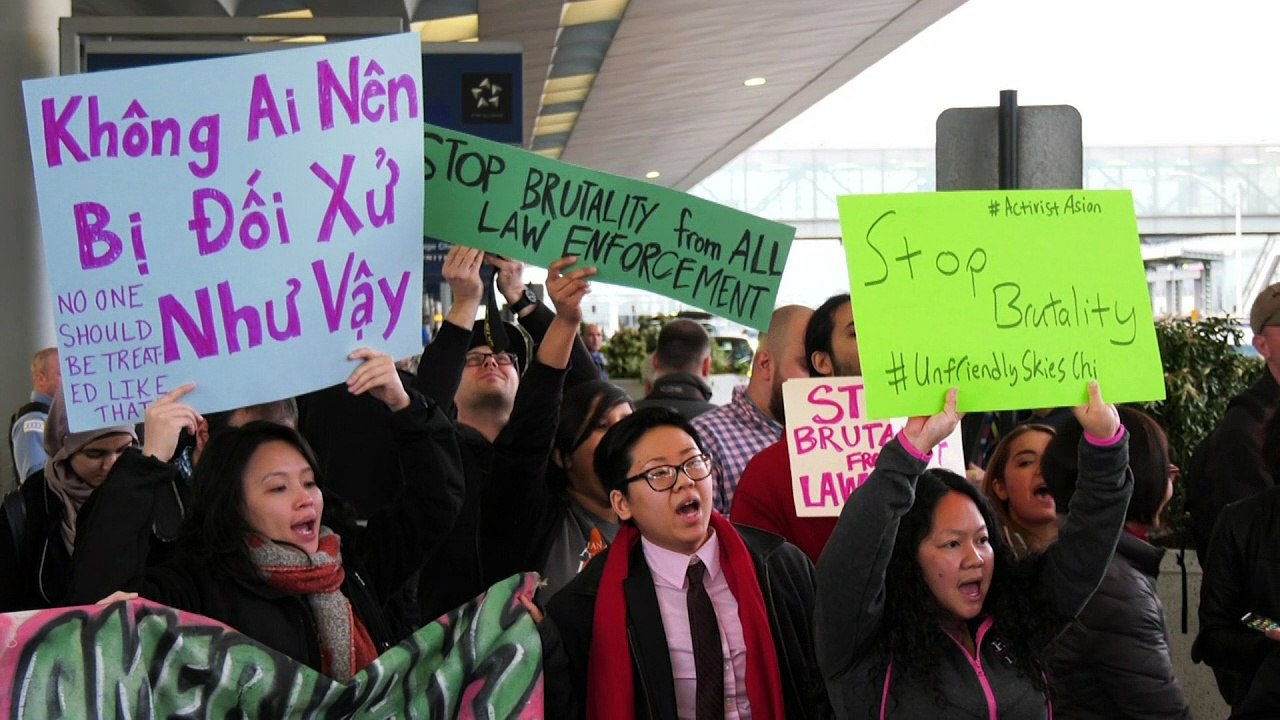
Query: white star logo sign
486, 94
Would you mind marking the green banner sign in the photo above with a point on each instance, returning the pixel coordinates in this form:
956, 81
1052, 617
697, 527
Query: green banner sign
1018, 298
517, 204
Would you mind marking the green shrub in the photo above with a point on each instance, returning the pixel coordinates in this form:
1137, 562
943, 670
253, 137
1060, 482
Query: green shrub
629, 348
1202, 372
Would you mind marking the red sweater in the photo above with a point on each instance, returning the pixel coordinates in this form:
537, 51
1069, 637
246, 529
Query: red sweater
764, 500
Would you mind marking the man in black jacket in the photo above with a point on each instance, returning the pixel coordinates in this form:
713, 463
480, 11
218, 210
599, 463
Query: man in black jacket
682, 363
1242, 575
1228, 466
506, 415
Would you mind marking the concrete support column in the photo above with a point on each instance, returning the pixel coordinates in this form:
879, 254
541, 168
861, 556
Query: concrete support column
28, 49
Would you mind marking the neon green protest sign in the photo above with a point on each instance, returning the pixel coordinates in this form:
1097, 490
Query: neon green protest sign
1018, 298
517, 204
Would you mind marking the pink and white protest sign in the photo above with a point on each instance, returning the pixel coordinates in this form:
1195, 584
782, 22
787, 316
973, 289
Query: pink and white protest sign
834, 445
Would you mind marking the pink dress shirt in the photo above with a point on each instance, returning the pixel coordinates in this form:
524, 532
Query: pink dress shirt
668, 569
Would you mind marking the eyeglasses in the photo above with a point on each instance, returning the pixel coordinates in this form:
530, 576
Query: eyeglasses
501, 358
663, 477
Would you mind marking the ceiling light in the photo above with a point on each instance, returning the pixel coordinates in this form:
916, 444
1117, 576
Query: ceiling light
449, 29
653, 175
754, 82
290, 15
583, 12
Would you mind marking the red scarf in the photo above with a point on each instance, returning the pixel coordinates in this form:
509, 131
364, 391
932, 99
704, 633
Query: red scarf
345, 645
609, 689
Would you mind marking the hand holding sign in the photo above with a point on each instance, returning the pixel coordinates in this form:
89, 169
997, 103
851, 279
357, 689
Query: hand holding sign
924, 433
510, 276
166, 418
461, 269
567, 290
833, 444
462, 272
1099, 419
377, 376
519, 205
271, 216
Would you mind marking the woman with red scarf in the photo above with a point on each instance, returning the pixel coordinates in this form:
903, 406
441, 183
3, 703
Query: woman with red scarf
685, 615
261, 550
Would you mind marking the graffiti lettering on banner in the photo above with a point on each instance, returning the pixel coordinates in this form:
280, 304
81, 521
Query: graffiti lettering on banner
229, 222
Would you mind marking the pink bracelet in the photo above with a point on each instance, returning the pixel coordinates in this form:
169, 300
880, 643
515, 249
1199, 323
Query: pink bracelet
1105, 442
911, 449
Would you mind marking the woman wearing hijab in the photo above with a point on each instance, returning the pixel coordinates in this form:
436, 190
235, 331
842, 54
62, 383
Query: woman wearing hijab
36, 544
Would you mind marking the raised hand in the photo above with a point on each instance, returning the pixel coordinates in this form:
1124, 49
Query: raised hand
462, 271
164, 421
510, 277
924, 433
1099, 419
568, 289
377, 376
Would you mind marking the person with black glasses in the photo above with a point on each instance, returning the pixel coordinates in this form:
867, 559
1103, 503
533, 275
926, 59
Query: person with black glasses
685, 615
507, 400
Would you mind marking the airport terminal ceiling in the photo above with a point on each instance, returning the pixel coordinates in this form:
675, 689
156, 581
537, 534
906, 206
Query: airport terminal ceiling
637, 86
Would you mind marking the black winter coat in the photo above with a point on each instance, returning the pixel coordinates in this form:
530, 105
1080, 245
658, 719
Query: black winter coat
686, 394
1242, 575
378, 560
33, 571
1113, 661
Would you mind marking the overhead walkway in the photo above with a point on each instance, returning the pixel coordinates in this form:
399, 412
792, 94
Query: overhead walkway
1208, 216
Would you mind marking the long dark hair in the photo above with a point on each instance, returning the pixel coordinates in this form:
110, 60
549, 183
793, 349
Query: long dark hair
1148, 463
214, 529
995, 471
911, 635
581, 412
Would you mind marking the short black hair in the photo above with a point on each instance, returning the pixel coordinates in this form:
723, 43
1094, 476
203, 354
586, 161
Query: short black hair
613, 454
817, 334
277, 410
682, 344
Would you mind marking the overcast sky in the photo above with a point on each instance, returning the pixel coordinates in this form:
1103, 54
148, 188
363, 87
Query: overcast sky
1141, 72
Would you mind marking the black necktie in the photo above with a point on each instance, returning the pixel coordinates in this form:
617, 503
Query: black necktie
708, 659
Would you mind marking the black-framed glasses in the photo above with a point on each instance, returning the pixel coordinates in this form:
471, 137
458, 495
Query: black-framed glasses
502, 358
663, 477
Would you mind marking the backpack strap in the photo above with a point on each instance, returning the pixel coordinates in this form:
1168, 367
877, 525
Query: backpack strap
15, 511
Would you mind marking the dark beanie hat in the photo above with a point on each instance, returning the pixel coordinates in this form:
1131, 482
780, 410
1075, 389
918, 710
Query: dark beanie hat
503, 336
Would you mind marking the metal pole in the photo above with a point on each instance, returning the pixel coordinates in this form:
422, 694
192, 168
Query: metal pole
1238, 200
1008, 128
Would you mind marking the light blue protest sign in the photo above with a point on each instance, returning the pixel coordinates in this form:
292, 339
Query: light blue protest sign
242, 223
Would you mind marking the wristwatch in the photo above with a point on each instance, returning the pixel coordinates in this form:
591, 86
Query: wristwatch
527, 299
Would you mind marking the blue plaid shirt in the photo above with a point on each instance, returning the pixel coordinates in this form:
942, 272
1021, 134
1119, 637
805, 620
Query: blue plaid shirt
733, 434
